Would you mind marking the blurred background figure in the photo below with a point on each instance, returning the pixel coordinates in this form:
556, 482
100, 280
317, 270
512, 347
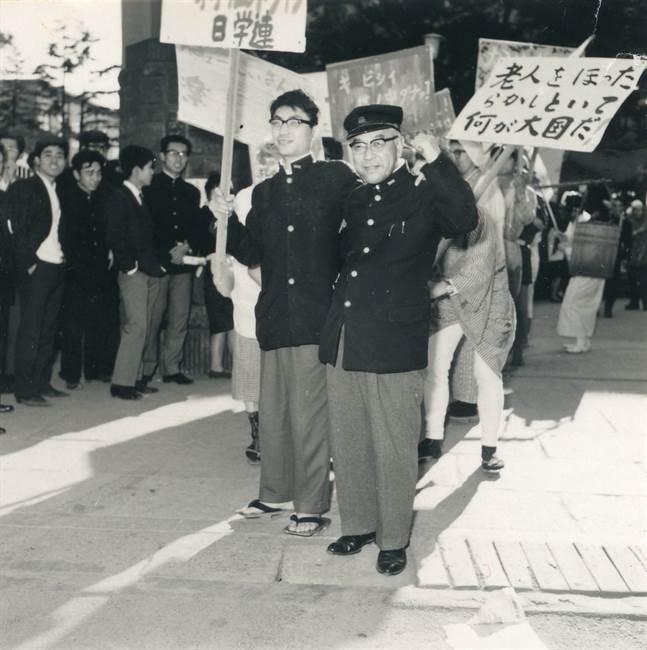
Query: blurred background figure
583, 295
637, 263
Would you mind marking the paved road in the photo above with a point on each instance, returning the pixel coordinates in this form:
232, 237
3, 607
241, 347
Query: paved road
118, 528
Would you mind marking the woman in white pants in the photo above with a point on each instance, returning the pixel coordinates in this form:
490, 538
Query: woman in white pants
472, 307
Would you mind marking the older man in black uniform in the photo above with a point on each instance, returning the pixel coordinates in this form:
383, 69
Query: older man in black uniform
292, 232
376, 333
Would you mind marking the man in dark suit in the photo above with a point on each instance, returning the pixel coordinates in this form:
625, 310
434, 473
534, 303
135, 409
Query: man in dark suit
37, 223
376, 333
174, 206
89, 323
6, 279
129, 236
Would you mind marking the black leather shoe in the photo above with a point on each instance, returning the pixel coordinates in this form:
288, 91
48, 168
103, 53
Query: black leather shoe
350, 544
390, 563
428, 449
177, 378
34, 400
2, 431
50, 391
124, 392
142, 387
6, 408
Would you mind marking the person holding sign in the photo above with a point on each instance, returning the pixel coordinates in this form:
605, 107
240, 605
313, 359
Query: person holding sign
292, 231
375, 338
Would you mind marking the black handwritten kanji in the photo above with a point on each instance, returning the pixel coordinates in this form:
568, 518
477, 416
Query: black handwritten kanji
242, 25
529, 124
479, 121
262, 33
531, 75
507, 78
219, 28
557, 126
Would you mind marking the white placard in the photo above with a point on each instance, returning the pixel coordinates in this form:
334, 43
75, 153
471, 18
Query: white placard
241, 24
559, 103
202, 90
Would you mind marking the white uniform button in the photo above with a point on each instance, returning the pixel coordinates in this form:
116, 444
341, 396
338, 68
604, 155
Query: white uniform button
378, 197
366, 249
353, 274
288, 179
290, 228
291, 281
347, 303
370, 222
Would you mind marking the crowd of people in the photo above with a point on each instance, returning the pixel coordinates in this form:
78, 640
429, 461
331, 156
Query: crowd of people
352, 294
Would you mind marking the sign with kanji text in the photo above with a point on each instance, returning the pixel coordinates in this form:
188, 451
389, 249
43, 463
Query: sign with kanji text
445, 114
202, 90
559, 103
403, 78
242, 24
491, 50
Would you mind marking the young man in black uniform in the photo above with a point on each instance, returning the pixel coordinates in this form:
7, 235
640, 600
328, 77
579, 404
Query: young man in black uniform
292, 231
377, 330
89, 323
174, 205
38, 227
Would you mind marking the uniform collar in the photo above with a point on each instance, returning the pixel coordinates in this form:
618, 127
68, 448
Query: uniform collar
396, 178
297, 166
164, 175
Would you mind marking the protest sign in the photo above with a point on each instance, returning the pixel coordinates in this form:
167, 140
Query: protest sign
202, 84
318, 84
548, 102
445, 114
241, 24
491, 50
404, 78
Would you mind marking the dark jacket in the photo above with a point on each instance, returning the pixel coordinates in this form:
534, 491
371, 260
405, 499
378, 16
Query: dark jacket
174, 206
30, 212
129, 233
389, 244
292, 231
85, 234
6, 255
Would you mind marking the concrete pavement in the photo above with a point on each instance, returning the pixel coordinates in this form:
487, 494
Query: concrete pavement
118, 527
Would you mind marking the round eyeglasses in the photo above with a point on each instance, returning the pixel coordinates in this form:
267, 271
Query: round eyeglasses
375, 145
293, 123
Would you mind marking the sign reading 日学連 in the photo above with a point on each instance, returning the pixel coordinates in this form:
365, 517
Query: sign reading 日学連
241, 24
559, 103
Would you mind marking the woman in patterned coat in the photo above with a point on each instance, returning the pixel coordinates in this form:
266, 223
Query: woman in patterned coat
472, 306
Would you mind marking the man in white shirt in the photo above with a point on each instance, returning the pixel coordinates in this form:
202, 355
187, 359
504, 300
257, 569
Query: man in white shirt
37, 224
129, 235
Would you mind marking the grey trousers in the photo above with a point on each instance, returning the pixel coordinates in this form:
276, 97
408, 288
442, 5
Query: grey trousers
175, 300
375, 427
294, 429
138, 295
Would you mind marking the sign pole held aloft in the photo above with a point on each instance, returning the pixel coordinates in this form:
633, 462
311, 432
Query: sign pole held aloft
227, 148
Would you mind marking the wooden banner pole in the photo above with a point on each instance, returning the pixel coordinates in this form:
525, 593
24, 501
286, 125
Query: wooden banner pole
228, 148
